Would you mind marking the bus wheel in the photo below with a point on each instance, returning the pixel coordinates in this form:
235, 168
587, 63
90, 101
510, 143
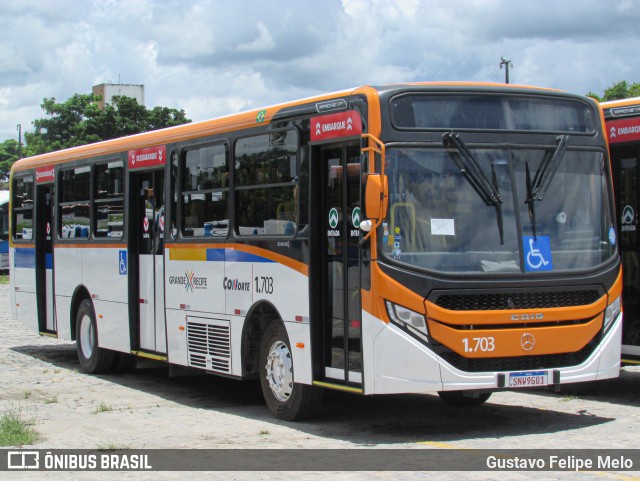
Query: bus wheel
286, 399
456, 398
93, 359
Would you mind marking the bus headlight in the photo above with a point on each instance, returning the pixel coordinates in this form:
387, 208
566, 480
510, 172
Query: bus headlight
404, 317
612, 312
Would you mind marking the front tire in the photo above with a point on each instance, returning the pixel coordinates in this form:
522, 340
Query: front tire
93, 359
286, 399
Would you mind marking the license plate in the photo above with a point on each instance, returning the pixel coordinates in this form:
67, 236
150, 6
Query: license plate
528, 379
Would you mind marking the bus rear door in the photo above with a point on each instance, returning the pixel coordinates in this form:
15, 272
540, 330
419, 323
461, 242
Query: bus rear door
147, 245
44, 259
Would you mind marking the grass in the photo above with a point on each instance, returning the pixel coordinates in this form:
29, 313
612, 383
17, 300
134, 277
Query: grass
4, 279
16, 431
104, 408
113, 447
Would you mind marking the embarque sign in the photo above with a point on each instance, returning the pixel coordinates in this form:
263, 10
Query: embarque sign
333, 126
149, 157
624, 130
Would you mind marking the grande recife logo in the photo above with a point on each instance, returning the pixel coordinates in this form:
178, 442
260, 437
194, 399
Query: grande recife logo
333, 126
190, 281
148, 157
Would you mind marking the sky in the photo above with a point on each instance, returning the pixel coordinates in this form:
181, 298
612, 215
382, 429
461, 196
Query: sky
218, 57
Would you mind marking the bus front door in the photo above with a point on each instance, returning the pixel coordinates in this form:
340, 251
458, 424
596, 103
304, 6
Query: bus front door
44, 259
628, 166
149, 234
341, 263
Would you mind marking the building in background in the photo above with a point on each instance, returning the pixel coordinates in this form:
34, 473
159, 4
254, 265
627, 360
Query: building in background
108, 91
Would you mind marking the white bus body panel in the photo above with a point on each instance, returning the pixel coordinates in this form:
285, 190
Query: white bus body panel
51, 316
97, 269
147, 303
207, 286
397, 363
12, 285
113, 325
23, 277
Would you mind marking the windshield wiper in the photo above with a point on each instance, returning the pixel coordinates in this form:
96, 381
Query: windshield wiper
473, 173
537, 188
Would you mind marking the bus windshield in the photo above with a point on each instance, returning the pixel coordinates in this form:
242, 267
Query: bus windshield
441, 218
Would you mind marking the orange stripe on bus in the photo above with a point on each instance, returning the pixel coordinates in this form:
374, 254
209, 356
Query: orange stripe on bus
199, 253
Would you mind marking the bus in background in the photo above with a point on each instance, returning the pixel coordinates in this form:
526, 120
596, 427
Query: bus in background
450, 238
623, 131
4, 230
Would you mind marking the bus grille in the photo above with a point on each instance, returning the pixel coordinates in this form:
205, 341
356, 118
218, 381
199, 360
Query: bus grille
521, 363
209, 345
516, 300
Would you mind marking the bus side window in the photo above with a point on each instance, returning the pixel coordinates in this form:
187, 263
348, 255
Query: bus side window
205, 189
266, 180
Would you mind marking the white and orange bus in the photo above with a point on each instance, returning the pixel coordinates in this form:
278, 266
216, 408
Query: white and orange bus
623, 130
450, 238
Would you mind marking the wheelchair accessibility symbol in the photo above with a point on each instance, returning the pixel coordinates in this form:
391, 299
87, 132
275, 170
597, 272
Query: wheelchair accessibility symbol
537, 254
122, 263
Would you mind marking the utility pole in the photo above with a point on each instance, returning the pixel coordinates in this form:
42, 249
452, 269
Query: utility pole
19, 127
507, 63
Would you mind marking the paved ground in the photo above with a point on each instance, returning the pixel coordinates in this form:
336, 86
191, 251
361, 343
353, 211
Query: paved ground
39, 377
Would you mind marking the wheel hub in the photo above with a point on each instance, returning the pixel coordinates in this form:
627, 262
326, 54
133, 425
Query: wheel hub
87, 341
280, 371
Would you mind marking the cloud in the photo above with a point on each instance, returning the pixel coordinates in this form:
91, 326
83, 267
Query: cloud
214, 57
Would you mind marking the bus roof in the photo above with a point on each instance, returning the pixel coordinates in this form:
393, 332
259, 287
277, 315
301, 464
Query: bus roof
228, 123
620, 102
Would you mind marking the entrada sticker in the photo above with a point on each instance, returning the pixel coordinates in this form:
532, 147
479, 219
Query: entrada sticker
333, 218
537, 253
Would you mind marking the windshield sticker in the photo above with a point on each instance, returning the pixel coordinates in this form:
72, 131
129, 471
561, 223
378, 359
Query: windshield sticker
537, 253
397, 238
443, 227
612, 236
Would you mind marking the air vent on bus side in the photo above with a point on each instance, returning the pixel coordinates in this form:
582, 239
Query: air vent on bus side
209, 344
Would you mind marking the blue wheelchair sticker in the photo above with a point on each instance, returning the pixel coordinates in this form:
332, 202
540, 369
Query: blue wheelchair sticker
537, 254
122, 263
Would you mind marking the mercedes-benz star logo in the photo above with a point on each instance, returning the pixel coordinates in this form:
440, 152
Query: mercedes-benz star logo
527, 341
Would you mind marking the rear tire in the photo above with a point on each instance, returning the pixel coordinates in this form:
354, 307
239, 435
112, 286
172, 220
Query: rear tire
458, 399
93, 359
286, 399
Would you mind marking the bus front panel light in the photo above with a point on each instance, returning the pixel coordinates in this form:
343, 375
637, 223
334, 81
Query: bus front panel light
407, 318
612, 312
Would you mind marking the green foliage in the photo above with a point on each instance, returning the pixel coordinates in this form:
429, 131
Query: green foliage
8, 155
620, 90
16, 431
80, 121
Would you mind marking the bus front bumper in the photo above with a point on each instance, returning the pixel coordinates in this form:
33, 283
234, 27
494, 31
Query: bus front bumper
402, 364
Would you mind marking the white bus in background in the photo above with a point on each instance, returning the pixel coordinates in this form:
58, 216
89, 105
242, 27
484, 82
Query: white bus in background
4, 229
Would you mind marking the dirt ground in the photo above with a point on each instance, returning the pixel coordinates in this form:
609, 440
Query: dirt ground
40, 379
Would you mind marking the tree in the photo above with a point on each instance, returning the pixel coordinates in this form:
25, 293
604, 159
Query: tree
8, 155
621, 90
80, 121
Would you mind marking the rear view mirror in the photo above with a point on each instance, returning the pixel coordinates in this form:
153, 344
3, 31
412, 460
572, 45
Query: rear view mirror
376, 196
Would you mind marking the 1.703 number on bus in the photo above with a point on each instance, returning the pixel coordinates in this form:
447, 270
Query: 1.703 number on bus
479, 344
